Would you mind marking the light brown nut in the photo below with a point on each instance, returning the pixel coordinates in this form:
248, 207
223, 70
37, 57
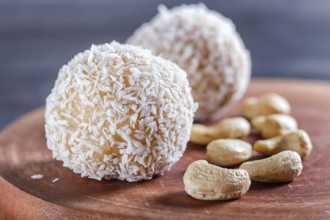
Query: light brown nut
267, 104
228, 152
236, 127
209, 182
274, 125
281, 167
297, 141
201, 134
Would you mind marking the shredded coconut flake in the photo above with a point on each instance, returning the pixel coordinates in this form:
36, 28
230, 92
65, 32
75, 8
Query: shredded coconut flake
37, 176
55, 180
207, 46
116, 111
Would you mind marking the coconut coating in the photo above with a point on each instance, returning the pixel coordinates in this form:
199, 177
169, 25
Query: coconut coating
207, 46
116, 111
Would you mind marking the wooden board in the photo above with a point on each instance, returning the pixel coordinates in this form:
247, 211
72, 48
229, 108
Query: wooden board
23, 152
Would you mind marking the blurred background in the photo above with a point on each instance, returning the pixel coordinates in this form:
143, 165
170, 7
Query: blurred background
288, 39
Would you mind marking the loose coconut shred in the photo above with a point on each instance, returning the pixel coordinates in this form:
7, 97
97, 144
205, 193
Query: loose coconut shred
207, 46
118, 112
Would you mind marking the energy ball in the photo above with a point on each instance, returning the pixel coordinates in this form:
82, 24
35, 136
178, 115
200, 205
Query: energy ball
118, 112
207, 46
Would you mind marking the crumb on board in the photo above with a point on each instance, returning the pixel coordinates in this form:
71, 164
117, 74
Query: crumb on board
37, 176
55, 180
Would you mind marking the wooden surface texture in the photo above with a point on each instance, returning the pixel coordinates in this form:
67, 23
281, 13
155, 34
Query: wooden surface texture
23, 153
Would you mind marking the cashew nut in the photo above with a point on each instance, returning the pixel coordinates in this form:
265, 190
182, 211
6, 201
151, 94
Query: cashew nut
274, 125
264, 105
209, 182
228, 152
236, 127
297, 141
281, 167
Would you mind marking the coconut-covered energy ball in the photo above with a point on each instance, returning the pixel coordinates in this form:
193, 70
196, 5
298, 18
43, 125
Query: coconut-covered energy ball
116, 111
207, 46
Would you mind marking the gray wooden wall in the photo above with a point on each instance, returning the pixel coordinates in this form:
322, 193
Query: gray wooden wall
286, 39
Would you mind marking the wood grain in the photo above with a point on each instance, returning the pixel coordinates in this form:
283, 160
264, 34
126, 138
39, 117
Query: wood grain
23, 152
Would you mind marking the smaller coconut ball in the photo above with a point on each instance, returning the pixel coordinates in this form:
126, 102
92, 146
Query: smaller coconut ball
116, 111
207, 46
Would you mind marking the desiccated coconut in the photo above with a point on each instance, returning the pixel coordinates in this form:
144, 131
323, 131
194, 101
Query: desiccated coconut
207, 46
37, 176
116, 111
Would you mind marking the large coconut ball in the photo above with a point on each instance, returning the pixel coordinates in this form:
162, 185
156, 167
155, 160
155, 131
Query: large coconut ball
116, 111
207, 46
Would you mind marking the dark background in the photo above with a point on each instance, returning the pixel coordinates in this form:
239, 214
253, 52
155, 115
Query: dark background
286, 39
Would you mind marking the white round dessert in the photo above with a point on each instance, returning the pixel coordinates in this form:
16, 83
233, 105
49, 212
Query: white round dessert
207, 46
118, 112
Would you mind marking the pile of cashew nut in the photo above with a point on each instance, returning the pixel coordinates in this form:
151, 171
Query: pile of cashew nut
284, 145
